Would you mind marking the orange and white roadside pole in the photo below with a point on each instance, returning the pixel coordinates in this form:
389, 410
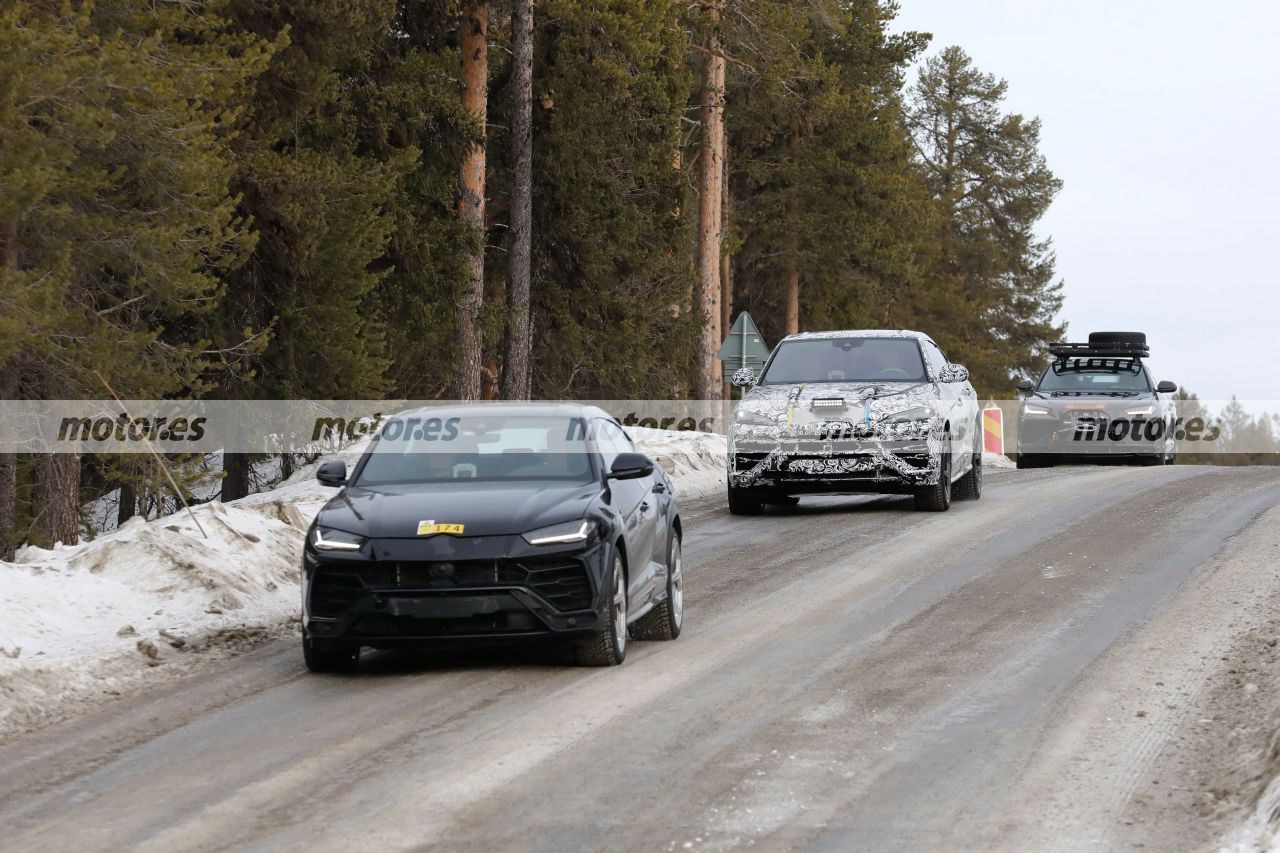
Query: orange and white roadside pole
993, 429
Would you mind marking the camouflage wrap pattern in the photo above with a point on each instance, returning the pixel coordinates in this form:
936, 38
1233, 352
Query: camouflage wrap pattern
883, 431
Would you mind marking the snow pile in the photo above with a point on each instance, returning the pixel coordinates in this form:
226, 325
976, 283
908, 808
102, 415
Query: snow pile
1261, 831
78, 623
695, 461
997, 461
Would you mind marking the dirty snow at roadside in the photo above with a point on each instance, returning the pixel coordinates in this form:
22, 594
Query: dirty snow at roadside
83, 623
694, 460
997, 461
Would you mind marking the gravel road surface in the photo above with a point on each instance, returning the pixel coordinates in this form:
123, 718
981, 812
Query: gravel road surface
854, 675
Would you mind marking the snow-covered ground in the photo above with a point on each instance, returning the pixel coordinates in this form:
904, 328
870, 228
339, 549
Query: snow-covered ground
996, 461
152, 597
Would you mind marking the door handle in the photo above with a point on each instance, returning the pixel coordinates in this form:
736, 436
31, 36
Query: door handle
644, 506
659, 488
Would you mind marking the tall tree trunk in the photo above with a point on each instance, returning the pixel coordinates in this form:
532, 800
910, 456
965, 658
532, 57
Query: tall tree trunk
726, 263
515, 376
726, 295
706, 299
726, 313
726, 276
475, 78
793, 250
57, 497
489, 379
236, 468
8, 473
9, 391
128, 505
793, 297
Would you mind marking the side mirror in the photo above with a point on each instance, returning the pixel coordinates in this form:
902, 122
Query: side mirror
332, 473
743, 377
954, 373
1026, 386
1167, 387
631, 466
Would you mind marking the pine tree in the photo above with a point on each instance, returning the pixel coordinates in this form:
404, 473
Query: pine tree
828, 202
117, 217
307, 296
611, 244
407, 108
985, 169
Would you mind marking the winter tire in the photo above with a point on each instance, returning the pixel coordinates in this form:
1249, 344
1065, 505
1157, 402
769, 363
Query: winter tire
608, 646
969, 487
1031, 460
663, 622
334, 658
937, 498
744, 501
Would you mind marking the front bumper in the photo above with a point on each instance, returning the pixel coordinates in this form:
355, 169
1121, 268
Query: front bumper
453, 589
826, 467
1073, 437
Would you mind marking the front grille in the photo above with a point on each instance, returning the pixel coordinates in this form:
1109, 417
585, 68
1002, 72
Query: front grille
442, 575
1088, 421
561, 580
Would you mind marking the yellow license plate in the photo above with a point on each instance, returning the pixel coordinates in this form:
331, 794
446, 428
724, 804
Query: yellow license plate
430, 528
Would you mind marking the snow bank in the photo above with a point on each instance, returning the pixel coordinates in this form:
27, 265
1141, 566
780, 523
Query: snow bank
154, 597
695, 461
997, 461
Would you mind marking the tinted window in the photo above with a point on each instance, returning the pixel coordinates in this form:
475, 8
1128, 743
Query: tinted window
611, 440
846, 360
1094, 381
482, 447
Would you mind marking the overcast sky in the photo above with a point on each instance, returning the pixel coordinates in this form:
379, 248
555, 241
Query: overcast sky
1163, 120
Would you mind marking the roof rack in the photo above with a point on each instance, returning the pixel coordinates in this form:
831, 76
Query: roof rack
1127, 364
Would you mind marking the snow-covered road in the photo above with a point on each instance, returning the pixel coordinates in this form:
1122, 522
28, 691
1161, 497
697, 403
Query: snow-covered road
1054, 666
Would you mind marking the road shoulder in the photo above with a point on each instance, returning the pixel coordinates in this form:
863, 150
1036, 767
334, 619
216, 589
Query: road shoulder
1166, 742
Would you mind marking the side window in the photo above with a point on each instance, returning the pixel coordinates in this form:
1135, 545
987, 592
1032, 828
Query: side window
610, 441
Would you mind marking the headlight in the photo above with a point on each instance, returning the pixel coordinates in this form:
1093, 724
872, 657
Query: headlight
747, 418
1035, 411
328, 539
1141, 411
562, 534
916, 413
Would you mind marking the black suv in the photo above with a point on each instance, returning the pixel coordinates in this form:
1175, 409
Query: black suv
1095, 402
492, 522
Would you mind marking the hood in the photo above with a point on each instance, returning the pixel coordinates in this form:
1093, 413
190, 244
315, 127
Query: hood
1113, 404
486, 508
1111, 396
886, 398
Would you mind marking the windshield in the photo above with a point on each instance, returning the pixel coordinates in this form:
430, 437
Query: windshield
846, 360
482, 448
1094, 381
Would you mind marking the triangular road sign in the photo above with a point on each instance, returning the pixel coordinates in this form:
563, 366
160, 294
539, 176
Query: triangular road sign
743, 347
